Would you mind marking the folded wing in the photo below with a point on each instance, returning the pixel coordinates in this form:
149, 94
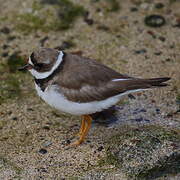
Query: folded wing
86, 80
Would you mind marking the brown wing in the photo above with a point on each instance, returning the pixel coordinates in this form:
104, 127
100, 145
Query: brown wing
85, 80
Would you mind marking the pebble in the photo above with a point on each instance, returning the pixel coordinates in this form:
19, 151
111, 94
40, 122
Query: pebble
157, 110
142, 119
177, 25
15, 118
159, 5
11, 38
103, 27
42, 151
86, 14
134, 9
5, 46
158, 53
178, 101
155, 20
46, 127
162, 38
98, 10
144, 6
5, 30
152, 34
131, 96
168, 59
66, 142
100, 148
89, 21
4, 54
137, 111
172, 46
30, 109
42, 170
47, 143
141, 51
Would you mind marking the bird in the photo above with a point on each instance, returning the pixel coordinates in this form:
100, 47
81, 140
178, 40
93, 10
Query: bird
81, 86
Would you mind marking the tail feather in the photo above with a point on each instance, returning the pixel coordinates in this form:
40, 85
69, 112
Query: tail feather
157, 82
135, 84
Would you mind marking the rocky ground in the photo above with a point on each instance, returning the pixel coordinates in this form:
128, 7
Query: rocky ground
137, 139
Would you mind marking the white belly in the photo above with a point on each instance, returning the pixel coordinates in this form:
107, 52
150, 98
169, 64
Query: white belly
58, 101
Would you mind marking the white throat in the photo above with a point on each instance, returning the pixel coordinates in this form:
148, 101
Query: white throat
42, 75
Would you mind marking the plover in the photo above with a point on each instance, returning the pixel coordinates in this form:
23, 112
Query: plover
81, 86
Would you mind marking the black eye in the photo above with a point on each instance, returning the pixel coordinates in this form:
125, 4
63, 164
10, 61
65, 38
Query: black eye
39, 65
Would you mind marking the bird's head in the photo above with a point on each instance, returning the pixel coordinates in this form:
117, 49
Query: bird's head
42, 62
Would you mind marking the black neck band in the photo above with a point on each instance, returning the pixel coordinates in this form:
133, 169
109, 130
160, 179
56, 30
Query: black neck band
41, 82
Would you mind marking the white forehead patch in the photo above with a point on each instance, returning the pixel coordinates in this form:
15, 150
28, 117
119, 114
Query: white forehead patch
30, 62
42, 75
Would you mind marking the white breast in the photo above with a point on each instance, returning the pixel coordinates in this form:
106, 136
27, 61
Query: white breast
58, 101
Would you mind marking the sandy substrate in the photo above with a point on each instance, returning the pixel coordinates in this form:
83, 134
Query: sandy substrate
33, 136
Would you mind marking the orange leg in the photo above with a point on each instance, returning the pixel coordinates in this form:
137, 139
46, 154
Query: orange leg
83, 123
85, 126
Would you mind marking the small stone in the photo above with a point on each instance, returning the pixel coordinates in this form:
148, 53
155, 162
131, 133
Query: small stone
134, 9
94, 1
144, 6
47, 143
42, 151
100, 148
5, 30
169, 115
98, 10
158, 53
136, 22
103, 27
46, 127
66, 142
139, 119
157, 110
11, 38
177, 24
5, 46
152, 34
88, 141
141, 51
154, 20
162, 38
159, 5
30, 109
131, 96
86, 14
5, 54
172, 46
178, 100
168, 60
9, 113
15, 118
153, 101
137, 111
142, 110
89, 21
43, 170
